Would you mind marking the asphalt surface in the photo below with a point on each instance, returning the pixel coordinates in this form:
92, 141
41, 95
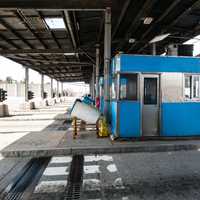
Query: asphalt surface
137, 176
126, 176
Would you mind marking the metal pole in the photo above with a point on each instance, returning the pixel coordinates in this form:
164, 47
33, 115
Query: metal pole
61, 88
154, 49
107, 59
93, 81
91, 87
51, 88
57, 89
42, 86
97, 69
26, 83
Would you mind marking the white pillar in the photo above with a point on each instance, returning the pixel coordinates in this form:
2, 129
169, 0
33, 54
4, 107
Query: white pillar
26, 83
57, 91
51, 88
61, 88
107, 59
42, 86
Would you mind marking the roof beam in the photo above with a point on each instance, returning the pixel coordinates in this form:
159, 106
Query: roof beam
121, 17
23, 19
68, 24
155, 24
137, 20
15, 33
69, 72
56, 62
56, 4
51, 32
36, 51
70, 64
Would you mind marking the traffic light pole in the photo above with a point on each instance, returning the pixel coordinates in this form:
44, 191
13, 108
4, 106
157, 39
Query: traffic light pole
26, 83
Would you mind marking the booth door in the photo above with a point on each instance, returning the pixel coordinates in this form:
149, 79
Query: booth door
150, 105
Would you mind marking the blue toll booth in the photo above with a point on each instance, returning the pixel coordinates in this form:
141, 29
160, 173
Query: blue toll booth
101, 94
155, 96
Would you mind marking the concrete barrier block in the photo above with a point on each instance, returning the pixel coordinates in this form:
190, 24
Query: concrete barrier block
32, 105
1, 110
4, 110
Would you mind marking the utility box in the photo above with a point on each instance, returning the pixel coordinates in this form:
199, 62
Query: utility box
180, 50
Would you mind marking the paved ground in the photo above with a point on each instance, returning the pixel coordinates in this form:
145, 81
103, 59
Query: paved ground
157, 176
138, 176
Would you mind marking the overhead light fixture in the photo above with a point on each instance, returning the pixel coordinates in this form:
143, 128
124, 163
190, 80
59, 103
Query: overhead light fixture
55, 23
70, 54
131, 40
163, 54
193, 40
159, 38
148, 20
78, 27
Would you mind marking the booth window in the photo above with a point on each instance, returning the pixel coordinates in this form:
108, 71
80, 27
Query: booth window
192, 87
113, 89
128, 87
150, 91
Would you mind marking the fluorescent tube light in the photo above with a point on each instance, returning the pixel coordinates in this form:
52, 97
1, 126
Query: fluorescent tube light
148, 20
55, 23
159, 38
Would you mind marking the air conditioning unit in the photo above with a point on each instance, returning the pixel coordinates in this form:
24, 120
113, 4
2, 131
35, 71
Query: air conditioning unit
180, 50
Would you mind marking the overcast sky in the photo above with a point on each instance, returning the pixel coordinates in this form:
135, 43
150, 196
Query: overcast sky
17, 72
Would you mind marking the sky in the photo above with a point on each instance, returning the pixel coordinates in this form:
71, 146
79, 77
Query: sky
17, 72
196, 42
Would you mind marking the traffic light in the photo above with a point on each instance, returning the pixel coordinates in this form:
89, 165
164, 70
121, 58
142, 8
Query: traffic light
30, 95
3, 95
45, 95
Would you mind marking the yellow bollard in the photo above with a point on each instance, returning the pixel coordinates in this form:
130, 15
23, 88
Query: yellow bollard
103, 130
75, 131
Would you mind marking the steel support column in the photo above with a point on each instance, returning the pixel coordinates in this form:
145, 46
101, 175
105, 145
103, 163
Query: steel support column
51, 88
61, 88
42, 86
26, 83
154, 49
57, 91
97, 69
93, 81
107, 59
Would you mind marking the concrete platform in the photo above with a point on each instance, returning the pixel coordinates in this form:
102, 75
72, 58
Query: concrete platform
55, 143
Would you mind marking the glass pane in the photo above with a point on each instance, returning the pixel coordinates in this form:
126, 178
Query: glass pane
188, 84
150, 91
113, 90
196, 87
128, 87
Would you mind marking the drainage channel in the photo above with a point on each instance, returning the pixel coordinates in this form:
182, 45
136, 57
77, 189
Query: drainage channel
24, 183
75, 180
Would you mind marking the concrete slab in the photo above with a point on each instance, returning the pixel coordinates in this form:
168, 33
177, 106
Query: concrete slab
55, 143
